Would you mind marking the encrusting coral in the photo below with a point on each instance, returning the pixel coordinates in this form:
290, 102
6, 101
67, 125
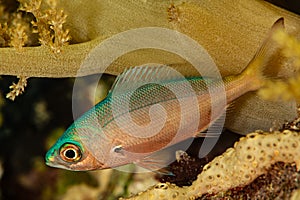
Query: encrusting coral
237, 167
279, 182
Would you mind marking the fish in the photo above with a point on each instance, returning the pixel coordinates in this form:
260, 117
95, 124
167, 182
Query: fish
137, 121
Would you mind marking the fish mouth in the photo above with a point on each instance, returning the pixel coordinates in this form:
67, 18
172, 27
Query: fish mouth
51, 163
49, 160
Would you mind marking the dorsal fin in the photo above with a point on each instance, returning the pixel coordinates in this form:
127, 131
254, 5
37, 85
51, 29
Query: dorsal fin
141, 75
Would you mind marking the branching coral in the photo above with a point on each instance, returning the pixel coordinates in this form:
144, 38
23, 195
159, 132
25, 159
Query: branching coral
238, 166
4, 33
48, 24
17, 88
18, 33
14, 30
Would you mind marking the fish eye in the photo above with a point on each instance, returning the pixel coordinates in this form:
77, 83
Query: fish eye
70, 153
118, 149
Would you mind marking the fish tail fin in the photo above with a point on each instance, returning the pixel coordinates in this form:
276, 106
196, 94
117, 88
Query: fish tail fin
259, 63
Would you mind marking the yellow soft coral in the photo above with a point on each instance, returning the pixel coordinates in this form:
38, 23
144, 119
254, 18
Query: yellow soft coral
290, 45
13, 29
285, 89
17, 88
282, 90
18, 32
48, 23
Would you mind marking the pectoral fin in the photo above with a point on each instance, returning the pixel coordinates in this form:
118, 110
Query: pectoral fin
155, 163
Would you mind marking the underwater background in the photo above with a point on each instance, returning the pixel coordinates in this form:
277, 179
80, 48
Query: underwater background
31, 123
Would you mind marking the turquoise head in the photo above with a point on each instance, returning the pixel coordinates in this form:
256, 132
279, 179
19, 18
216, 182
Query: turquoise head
70, 152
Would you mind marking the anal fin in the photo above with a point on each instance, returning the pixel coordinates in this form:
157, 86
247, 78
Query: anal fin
159, 161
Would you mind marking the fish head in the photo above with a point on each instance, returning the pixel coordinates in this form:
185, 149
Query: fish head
70, 152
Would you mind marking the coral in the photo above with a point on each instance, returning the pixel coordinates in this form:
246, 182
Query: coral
18, 32
291, 46
14, 30
285, 89
173, 13
48, 24
296, 195
237, 167
17, 89
4, 33
278, 182
292, 126
185, 169
4, 37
